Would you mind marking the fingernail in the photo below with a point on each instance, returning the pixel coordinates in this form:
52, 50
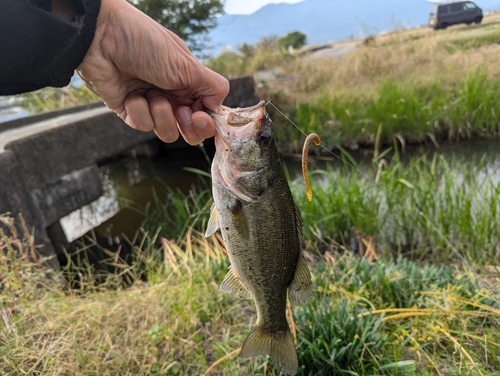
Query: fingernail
184, 115
201, 123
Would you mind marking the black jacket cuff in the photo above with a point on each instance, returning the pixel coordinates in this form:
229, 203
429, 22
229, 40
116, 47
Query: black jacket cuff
40, 49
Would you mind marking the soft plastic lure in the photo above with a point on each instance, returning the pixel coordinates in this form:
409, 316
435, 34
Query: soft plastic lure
313, 137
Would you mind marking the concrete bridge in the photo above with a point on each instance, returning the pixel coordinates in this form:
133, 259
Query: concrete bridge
49, 162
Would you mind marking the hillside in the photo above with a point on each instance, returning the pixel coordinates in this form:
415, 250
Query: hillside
324, 21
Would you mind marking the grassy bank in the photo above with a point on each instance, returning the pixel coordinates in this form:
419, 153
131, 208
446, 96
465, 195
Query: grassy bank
381, 318
421, 86
412, 112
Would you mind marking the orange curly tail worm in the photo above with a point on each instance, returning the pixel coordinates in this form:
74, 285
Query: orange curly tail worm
313, 137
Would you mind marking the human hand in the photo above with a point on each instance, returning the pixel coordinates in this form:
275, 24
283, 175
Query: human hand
148, 76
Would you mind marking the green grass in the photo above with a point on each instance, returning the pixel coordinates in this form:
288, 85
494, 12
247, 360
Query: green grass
381, 318
477, 37
411, 111
423, 209
266, 54
50, 98
177, 213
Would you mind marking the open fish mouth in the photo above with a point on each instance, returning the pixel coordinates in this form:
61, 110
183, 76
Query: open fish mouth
237, 130
239, 124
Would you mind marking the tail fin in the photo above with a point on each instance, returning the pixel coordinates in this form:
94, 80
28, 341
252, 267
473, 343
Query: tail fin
278, 345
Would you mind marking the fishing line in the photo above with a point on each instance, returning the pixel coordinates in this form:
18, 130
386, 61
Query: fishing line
370, 179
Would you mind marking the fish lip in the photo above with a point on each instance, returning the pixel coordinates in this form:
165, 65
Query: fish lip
238, 109
228, 119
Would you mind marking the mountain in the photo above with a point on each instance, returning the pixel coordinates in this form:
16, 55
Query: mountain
324, 21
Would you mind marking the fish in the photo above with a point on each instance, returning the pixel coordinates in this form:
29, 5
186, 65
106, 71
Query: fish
261, 227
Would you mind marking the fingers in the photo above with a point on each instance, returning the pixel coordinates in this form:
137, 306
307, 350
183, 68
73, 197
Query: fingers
154, 112
204, 124
194, 127
137, 113
165, 124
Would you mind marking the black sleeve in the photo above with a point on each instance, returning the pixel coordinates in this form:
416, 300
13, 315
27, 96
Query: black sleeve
39, 49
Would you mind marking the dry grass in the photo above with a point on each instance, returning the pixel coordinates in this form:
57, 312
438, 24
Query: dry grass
176, 322
165, 325
400, 57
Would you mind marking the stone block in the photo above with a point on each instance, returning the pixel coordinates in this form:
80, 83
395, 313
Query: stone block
17, 200
242, 92
69, 193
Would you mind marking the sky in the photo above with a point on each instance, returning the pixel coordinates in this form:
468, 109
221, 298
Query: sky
250, 6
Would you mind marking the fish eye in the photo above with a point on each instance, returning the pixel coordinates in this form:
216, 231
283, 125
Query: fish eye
265, 136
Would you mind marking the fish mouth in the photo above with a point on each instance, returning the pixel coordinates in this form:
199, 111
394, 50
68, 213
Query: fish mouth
239, 124
236, 128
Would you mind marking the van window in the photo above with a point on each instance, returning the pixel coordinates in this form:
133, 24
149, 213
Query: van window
457, 7
443, 9
470, 6
433, 10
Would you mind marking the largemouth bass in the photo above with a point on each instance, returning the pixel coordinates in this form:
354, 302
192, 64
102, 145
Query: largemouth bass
261, 227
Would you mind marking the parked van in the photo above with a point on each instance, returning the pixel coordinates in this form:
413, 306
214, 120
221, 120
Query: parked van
444, 14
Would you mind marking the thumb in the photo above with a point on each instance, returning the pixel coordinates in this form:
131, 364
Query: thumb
213, 88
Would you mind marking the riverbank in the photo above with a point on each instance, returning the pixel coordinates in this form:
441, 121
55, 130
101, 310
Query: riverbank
161, 313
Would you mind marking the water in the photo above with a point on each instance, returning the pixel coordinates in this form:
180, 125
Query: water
130, 182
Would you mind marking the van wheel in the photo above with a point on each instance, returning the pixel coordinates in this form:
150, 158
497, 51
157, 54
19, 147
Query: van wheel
444, 26
478, 20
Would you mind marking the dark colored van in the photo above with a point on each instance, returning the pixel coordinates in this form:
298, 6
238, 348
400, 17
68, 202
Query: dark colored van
444, 14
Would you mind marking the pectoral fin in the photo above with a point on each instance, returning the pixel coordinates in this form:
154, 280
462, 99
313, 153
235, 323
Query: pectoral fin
299, 291
213, 222
232, 285
239, 220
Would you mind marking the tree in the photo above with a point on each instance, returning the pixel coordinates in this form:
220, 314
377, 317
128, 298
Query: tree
189, 19
294, 40
247, 50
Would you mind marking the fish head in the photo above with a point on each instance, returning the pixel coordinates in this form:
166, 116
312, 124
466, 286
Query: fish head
243, 135
245, 148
